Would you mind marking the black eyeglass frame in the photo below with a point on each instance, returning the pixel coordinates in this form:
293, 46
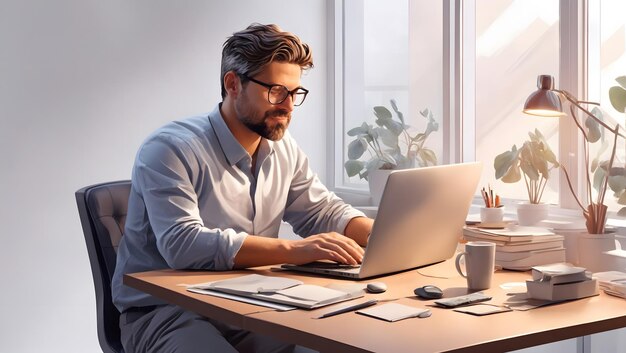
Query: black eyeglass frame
297, 90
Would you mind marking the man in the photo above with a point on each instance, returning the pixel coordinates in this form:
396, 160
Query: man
210, 192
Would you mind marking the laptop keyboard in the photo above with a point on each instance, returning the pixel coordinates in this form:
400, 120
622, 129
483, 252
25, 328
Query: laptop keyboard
329, 265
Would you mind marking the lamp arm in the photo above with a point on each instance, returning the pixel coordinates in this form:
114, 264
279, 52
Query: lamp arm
569, 183
576, 102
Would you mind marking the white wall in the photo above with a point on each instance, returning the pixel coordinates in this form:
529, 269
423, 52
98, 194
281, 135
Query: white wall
82, 83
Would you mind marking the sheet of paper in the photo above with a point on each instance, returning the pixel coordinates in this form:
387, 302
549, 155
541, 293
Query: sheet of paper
253, 283
514, 287
393, 312
279, 307
516, 231
313, 293
482, 309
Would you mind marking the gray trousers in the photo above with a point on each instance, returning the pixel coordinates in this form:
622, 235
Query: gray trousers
169, 328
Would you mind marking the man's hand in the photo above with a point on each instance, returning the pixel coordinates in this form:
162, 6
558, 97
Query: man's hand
326, 246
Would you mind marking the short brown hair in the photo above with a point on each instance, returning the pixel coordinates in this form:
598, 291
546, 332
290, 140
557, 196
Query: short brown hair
247, 52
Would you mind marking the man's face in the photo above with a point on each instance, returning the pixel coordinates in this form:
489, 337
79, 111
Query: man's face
256, 112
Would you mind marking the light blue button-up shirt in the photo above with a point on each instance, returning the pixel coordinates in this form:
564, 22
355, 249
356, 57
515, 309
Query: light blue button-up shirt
195, 198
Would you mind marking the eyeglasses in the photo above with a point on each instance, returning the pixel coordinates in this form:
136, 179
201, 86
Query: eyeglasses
277, 94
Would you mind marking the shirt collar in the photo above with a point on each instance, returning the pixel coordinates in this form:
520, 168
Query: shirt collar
233, 151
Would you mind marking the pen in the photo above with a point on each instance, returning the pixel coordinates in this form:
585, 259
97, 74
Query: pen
349, 308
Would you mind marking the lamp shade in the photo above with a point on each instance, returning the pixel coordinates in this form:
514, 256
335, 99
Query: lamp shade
544, 101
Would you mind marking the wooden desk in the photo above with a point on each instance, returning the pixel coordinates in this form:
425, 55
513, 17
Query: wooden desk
444, 331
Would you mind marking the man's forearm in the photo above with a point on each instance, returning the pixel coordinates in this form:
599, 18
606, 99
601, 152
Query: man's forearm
261, 251
359, 229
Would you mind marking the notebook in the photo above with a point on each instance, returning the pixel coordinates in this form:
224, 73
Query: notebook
419, 221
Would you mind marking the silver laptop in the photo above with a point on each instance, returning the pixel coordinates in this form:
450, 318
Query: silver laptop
419, 221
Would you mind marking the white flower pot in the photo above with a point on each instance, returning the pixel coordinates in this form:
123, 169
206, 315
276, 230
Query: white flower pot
529, 214
377, 180
592, 252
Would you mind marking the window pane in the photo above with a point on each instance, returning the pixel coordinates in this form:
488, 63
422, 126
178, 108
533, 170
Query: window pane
607, 61
516, 41
392, 51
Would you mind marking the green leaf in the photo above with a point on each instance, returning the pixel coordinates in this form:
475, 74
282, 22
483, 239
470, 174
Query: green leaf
598, 177
526, 162
356, 148
388, 138
394, 106
360, 130
594, 165
622, 199
428, 157
393, 126
382, 113
403, 162
432, 126
545, 152
617, 95
353, 167
418, 137
504, 161
596, 161
617, 183
549, 156
593, 130
513, 175
537, 161
622, 81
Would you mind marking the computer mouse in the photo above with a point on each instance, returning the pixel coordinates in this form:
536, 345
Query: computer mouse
376, 287
428, 292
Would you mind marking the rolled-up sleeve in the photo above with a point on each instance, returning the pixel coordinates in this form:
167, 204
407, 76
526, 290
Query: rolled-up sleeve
163, 173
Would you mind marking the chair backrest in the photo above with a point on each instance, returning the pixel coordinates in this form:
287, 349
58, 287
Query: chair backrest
102, 209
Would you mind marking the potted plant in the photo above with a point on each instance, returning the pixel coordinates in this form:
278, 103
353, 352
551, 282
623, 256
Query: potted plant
388, 145
617, 175
534, 161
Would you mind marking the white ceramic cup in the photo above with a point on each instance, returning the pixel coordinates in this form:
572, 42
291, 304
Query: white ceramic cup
491, 214
480, 259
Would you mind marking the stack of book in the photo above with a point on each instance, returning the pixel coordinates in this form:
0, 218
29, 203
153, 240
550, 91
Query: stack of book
520, 248
612, 282
561, 281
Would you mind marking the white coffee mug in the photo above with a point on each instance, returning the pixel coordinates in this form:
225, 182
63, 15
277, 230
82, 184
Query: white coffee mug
480, 259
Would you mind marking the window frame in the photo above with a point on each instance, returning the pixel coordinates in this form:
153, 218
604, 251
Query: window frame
458, 121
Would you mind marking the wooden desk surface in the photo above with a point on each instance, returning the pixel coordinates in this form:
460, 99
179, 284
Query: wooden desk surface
445, 330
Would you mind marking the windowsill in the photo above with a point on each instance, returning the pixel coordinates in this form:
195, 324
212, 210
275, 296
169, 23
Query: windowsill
563, 218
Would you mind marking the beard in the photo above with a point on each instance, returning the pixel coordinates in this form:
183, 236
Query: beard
267, 127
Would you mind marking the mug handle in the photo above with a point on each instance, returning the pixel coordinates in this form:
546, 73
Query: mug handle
457, 262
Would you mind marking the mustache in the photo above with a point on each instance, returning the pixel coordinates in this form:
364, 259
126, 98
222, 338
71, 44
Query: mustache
277, 113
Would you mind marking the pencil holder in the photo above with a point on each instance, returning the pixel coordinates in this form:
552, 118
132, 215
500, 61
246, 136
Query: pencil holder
491, 214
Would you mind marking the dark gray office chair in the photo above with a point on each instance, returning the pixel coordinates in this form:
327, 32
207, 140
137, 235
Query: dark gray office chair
102, 209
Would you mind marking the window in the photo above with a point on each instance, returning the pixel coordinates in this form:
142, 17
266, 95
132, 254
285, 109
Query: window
516, 41
392, 50
473, 67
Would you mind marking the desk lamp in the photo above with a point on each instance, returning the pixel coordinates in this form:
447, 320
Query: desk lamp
546, 101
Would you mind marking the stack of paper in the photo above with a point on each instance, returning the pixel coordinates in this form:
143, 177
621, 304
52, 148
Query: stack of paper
520, 248
561, 281
278, 290
612, 282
